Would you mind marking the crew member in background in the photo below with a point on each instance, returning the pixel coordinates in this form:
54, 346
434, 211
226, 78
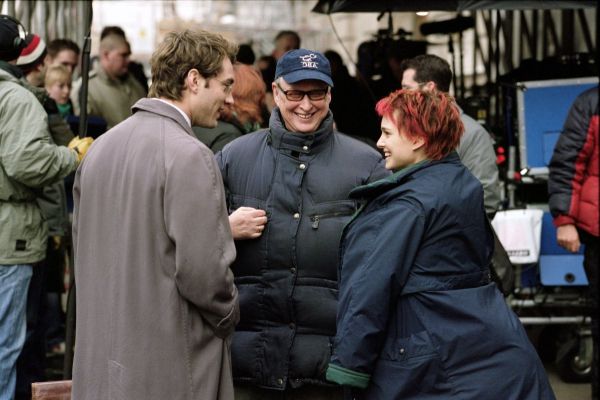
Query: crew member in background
112, 89
476, 148
63, 52
573, 197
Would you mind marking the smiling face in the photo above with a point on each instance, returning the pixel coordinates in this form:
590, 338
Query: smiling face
306, 115
399, 150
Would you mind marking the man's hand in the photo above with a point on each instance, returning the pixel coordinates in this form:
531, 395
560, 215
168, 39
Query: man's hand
247, 223
568, 237
80, 146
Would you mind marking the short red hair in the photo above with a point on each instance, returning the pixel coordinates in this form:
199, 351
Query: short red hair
248, 95
431, 115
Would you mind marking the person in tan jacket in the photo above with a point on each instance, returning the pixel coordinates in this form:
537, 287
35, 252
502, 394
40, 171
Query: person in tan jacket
156, 300
112, 90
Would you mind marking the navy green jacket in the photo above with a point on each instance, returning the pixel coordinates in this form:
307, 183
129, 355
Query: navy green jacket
287, 278
418, 317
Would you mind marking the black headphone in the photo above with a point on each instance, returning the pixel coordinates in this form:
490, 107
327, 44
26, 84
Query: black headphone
19, 42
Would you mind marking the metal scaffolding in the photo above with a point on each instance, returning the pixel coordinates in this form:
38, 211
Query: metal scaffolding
52, 19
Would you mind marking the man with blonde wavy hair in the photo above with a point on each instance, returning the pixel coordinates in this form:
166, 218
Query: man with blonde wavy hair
156, 301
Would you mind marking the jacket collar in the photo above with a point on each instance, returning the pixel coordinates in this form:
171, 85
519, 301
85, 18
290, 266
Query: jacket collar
399, 177
281, 138
156, 106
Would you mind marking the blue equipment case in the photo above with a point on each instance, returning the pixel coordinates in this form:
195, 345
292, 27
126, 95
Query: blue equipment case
543, 108
558, 267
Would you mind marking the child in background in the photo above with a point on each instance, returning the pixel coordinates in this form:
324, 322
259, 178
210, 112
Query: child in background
57, 82
58, 86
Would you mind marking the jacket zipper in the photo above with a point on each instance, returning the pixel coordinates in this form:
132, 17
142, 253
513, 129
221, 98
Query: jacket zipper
316, 218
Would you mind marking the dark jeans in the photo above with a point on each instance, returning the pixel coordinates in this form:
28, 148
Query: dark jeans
590, 263
32, 360
54, 318
54, 321
243, 392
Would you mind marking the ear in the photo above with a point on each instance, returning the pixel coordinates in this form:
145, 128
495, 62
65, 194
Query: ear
418, 143
276, 98
430, 86
328, 97
194, 81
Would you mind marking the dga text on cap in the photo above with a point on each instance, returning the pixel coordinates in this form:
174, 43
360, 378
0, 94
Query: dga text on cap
303, 64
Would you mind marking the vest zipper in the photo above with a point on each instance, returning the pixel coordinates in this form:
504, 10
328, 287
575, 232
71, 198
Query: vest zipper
316, 218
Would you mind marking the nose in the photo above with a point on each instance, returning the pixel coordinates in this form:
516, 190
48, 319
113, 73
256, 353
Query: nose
380, 143
305, 102
229, 99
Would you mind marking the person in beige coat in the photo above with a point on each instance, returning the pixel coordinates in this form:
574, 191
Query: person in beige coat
112, 90
156, 300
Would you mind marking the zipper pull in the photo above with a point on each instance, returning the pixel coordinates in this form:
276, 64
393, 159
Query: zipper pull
315, 220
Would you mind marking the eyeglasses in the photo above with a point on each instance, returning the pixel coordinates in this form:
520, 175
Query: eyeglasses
227, 85
298, 95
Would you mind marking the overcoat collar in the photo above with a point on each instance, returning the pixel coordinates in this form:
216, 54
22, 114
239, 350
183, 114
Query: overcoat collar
158, 107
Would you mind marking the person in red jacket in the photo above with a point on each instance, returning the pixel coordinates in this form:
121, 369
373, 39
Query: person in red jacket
573, 196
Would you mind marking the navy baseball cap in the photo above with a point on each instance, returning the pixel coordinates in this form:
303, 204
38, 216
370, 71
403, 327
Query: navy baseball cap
303, 64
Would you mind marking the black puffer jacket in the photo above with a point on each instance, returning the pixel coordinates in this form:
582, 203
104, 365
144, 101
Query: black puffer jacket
287, 278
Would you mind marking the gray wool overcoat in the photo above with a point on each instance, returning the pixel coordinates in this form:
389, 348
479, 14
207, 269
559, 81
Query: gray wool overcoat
156, 302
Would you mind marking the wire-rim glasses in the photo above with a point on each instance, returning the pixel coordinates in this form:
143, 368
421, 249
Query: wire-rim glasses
227, 85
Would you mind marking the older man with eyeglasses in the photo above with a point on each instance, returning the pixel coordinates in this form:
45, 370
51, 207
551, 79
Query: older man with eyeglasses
287, 189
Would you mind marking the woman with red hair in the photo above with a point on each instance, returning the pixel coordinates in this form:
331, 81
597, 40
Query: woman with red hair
244, 116
418, 316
